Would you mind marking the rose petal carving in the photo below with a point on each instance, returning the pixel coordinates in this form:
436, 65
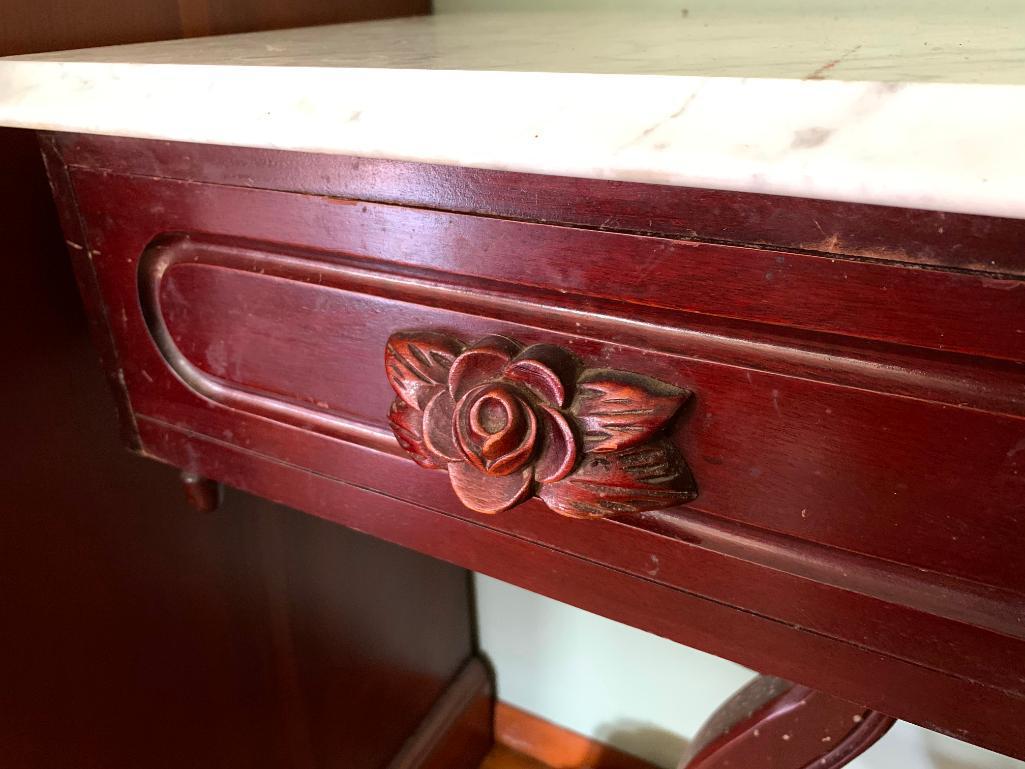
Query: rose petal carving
407, 424
417, 363
548, 371
509, 423
489, 493
559, 449
439, 427
495, 429
618, 409
483, 362
646, 477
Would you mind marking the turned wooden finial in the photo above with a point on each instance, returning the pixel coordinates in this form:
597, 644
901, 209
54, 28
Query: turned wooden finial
202, 493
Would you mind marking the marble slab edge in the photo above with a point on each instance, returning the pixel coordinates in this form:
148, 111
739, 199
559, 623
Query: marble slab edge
934, 146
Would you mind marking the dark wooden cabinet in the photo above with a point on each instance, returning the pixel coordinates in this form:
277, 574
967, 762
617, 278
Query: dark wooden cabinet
800, 425
135, 632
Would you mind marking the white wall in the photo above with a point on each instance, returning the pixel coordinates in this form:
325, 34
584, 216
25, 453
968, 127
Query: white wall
642, 693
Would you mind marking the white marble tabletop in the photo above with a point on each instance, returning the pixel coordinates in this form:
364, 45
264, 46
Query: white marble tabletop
923, 107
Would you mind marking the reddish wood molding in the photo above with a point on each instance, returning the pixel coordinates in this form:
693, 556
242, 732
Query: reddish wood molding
508, 423
780, 725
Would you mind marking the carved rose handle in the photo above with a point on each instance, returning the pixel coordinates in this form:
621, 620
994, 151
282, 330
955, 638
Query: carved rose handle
509, 423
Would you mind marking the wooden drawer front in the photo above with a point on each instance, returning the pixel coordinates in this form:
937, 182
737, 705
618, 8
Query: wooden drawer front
856, 430
281, 305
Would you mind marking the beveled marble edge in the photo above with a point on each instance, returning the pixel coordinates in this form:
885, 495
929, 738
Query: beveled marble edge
939, 146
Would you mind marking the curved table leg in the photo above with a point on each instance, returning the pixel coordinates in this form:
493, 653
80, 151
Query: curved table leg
775, 724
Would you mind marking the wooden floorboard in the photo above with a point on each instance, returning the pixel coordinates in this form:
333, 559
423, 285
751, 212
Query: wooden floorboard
526, 741
502, 757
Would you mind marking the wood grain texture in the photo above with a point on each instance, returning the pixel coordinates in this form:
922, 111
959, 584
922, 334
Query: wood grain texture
551, 745
69, 222
853, 436
959, 241
775, 724
509, 422
932, 309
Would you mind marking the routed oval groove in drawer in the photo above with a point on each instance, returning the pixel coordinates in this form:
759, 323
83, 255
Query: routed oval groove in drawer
298, 339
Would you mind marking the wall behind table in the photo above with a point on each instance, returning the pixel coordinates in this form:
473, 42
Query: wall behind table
644, 694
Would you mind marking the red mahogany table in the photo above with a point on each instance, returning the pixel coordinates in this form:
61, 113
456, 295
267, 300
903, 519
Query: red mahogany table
806, 461
786, 430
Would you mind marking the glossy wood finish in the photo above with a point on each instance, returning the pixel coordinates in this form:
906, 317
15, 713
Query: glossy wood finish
756, 445
775, 724
764, 481
959, 241
855, 440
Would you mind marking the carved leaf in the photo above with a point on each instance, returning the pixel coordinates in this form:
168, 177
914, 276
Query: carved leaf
618, 409
407, 424
647, 477
418, 363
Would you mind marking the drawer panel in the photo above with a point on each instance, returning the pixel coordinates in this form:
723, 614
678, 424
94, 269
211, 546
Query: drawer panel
920, 481
865, 471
